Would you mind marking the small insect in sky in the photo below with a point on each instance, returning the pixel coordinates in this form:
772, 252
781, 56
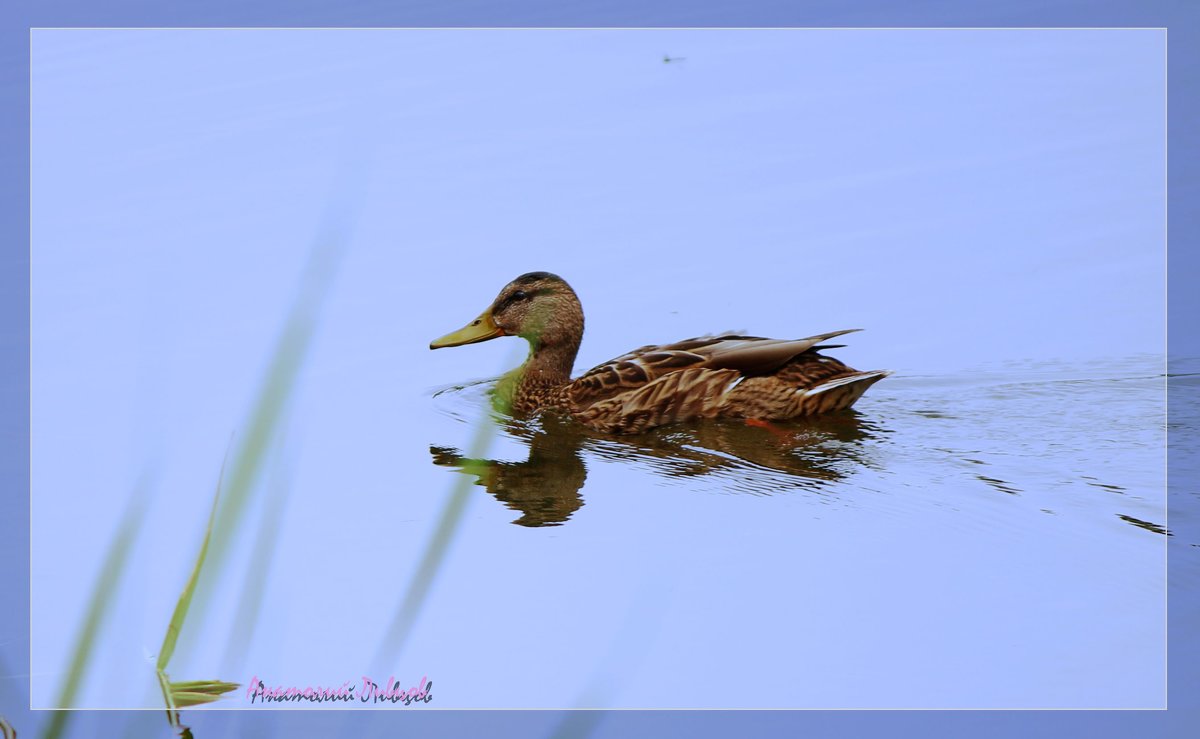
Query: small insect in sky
667, 58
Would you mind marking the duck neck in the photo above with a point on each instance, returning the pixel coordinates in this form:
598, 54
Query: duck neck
535, 384
549, 364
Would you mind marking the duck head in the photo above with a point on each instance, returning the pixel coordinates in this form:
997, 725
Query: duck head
537, 306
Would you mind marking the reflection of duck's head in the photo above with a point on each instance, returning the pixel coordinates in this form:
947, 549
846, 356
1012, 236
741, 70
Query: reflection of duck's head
545, 487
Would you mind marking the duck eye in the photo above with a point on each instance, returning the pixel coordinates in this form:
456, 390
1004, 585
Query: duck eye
519, 295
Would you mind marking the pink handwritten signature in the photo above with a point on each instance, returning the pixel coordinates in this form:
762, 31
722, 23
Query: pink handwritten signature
257, 691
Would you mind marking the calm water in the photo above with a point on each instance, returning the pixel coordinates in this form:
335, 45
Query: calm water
945, 532
1044, 428
986, 529
991, 537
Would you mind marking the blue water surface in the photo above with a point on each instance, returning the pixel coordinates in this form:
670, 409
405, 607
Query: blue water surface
987, 531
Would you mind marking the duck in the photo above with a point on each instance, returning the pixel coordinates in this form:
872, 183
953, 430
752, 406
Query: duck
755, 379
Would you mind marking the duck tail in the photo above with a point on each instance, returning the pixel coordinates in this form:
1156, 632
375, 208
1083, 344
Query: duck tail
836, 394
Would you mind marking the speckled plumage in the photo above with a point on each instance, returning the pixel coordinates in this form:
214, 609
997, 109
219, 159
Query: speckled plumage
707, 377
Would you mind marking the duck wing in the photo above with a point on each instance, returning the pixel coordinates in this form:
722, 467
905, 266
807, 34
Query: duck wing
694, 392
746, 356
753, 356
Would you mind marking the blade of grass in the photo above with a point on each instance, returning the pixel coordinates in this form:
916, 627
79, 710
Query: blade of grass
178, 695
273, 397
185, 598
418, 587
185, 698
101, 600
255, 584
164, 684
397, 634
277, 387
275, 392
629, 646
578, 724
204, 686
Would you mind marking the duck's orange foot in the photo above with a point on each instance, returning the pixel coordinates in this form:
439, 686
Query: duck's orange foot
760, 423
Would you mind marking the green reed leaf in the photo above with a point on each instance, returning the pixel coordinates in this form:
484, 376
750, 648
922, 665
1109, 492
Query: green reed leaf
439, 543
199, 692
217, 687
98, 605
185, 599
274, 395
254, 586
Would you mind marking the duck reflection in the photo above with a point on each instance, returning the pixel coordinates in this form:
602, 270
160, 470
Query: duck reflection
748, 457
545, 487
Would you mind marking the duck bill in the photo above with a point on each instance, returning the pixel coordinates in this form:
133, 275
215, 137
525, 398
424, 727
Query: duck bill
481, 329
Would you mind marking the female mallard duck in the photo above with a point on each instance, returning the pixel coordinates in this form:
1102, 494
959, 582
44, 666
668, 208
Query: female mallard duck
724, 376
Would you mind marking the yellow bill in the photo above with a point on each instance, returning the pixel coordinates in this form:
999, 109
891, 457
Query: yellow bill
481, 329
